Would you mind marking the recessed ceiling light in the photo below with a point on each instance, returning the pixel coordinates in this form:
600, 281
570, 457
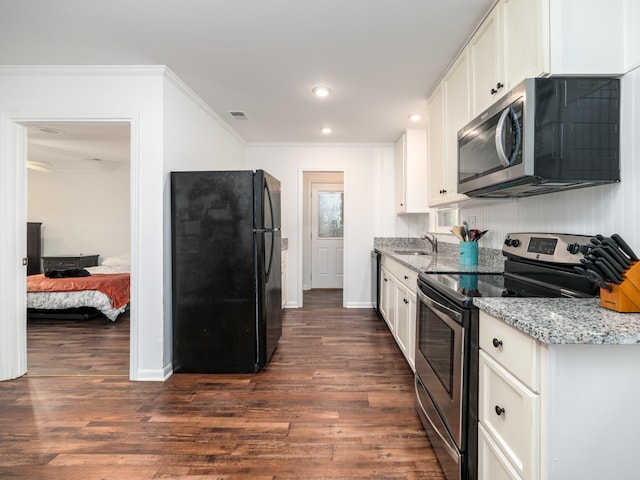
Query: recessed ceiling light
416, 117
326, 130
45, 167
50, 130
321, 91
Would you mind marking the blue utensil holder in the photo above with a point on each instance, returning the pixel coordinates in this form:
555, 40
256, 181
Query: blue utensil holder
468, 253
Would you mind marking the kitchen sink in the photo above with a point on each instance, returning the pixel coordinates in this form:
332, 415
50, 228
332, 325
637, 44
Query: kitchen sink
411, 252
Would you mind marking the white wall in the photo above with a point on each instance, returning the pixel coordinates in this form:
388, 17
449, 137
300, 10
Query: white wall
195, 138
170, 128
84, 211
368, 204
52, 94
309, 178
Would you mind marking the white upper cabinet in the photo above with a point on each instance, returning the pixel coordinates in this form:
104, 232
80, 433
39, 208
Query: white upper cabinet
522, 39
525, 33
411, 172
510, 45
485, 50
449, 110
435, 147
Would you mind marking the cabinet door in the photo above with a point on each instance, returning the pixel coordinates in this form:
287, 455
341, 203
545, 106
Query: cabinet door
388, 298
510, 413
411, 331
436, 147
411, 172
458, 114
486, 63
283, 273
526, 37
401, 146
492, 464
402, 317
405, 322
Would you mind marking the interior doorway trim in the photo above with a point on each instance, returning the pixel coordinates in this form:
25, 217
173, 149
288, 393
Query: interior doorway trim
15, 154
302, 241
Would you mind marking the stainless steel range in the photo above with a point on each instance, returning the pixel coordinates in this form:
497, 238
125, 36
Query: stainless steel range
446, 380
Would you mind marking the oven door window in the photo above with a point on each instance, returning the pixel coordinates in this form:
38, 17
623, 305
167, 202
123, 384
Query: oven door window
437, 344
441, 343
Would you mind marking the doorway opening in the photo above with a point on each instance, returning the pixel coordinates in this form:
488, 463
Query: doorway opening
79, 191
323, 230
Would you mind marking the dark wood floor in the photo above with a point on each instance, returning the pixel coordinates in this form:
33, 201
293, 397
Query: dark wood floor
336, 402
78, 347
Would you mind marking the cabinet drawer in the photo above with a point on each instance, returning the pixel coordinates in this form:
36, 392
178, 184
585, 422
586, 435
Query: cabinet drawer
61, 263
492, 464
405, 275
517, 352
510, 412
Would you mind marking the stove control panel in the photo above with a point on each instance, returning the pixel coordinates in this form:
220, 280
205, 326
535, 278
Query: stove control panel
547, 247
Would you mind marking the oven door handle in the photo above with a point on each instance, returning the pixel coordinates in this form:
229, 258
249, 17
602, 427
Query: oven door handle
424, 298
453, 453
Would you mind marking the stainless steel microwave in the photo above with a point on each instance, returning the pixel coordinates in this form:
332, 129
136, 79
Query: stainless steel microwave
545, 135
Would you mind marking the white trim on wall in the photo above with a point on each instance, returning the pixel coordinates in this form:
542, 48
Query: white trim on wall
16, 158
302, 244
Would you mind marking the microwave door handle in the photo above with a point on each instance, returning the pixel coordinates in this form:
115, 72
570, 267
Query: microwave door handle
502, 155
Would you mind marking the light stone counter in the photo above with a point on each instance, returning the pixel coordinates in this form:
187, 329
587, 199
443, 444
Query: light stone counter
445, 261
565, 320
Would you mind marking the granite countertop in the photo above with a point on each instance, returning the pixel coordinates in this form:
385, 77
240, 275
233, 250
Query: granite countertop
445, 261
284, 243
565, 320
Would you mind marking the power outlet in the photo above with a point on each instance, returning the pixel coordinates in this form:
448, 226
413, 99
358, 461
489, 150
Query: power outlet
472, 222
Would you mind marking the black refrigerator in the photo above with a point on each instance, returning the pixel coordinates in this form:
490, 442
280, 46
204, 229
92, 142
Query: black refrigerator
226, 254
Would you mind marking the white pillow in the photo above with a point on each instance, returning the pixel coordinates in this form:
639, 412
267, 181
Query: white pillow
117, 261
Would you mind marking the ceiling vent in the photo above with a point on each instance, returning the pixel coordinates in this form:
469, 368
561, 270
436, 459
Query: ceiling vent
239, 115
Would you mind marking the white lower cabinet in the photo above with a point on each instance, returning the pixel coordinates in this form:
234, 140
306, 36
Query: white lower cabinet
510, 413
555, 411
406, 321
509, 402
398, 304
492, 462
283, 274
388, 298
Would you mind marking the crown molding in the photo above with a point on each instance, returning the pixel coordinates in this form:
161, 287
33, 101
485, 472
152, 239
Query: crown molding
84, 70
160, 71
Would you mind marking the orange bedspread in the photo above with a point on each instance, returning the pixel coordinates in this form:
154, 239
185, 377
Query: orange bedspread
114, 285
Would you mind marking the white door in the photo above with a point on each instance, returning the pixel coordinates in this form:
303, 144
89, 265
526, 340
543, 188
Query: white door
327, 232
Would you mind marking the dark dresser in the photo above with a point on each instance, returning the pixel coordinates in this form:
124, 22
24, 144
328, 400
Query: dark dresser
34, 248
65, 262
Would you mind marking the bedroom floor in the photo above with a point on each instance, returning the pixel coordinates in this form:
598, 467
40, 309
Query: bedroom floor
96, 346
336, 402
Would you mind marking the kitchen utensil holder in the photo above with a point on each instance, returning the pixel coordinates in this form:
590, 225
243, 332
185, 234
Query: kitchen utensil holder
624, 297
468, 253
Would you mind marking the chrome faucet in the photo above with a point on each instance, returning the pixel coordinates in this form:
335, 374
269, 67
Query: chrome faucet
433, 240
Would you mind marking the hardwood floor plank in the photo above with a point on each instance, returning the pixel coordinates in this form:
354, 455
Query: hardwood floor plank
336, 402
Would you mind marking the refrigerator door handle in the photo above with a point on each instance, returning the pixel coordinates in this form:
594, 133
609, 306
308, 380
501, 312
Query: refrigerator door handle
269, 230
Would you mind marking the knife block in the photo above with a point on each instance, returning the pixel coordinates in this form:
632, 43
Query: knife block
624, 297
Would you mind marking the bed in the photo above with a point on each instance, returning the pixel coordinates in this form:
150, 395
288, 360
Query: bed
106, 290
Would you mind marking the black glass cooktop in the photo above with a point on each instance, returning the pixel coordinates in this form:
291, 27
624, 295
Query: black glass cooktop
463, 287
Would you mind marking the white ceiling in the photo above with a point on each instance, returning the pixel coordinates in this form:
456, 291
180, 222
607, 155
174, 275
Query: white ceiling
262, 57
63, 146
